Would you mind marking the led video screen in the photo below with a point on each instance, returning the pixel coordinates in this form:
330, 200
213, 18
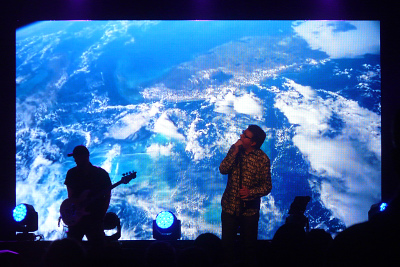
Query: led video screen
167, 99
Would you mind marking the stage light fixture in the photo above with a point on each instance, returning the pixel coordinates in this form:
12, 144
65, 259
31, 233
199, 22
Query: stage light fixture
383, 206
296, 212
166, 226
376, 210
112, 222
26, 221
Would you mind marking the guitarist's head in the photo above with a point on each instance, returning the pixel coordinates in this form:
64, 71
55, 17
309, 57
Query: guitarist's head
81, 155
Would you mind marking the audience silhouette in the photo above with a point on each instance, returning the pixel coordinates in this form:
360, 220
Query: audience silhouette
212, 244
317, 243
288, 245
160, 253
369, 243
64, 253
194, 257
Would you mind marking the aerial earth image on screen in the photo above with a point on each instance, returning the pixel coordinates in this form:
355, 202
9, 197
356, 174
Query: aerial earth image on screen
167, 99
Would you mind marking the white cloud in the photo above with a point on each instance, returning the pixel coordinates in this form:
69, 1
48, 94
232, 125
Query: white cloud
166, 127
111, 154
306, 91
132, 122
245, 104
350, 184
225, 105
193, 145
350, 210
341, 39
248, 104
300, 108
156, 150
128, 125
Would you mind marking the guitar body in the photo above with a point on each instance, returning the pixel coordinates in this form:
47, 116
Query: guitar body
73, 209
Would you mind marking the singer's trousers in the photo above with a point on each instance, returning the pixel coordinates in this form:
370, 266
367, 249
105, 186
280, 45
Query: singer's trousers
243, 245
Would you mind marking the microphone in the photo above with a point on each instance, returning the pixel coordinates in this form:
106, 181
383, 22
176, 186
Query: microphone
241, 149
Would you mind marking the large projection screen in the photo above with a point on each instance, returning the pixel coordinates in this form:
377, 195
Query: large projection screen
167, 99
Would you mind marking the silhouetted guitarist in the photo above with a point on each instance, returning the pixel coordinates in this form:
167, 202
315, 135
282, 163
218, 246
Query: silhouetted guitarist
90, 184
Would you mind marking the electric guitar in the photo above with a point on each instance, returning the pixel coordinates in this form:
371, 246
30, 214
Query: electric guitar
73, 209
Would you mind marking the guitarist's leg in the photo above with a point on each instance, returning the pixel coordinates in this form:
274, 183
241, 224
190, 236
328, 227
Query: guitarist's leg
76, 232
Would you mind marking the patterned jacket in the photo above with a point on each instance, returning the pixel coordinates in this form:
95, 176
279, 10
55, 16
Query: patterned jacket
255, 173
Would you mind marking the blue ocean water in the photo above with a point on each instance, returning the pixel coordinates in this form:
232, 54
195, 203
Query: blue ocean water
344, 76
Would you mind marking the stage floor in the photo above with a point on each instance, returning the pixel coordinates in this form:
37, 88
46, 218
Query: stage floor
123, 253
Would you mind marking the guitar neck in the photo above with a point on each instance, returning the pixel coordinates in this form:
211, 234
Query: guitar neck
115, 185
124, 180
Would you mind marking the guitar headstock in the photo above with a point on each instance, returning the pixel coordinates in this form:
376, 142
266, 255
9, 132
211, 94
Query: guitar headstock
127, 177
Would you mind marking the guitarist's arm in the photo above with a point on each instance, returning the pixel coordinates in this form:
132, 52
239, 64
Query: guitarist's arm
71, 192
106, 203
104, 186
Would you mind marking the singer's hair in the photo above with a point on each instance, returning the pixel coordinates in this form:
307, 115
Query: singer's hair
258, 135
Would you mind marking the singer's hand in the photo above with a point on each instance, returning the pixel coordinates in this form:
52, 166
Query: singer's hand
237, 145
244, 192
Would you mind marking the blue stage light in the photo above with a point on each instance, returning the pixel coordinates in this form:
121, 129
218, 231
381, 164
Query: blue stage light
19, 212
166, 226
26, 218
165, 219
112, 222
377, 210
383, 206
